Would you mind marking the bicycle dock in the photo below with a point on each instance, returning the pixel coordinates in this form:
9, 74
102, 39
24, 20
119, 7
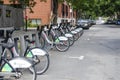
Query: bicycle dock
19, 38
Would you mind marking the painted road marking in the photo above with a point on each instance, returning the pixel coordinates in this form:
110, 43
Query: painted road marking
79, 58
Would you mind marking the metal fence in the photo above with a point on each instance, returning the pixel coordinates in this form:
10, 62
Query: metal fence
10, 16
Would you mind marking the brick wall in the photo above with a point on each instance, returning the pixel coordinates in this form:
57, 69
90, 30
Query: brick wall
65, 17
41, 11
6, 1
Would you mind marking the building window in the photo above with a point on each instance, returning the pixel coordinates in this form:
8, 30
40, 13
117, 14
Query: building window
66, 10
35, 21
8, 13
0, 12
63, 12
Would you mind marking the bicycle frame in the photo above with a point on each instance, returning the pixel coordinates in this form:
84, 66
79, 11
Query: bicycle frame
66, 34
46, 38
6, 69
60, 38
17, 61
13, 50
9, 68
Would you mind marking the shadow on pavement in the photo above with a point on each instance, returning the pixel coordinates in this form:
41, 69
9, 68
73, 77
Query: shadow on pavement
112, 26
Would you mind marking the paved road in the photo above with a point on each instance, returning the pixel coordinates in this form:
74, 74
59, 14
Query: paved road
95, 56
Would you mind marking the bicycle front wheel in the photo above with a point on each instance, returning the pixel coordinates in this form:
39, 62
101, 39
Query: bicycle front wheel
76, 36
40, 60
42, 64
71, 40
26, 74
63, 45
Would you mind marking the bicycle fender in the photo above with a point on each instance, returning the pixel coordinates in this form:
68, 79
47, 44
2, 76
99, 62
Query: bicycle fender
77, 30
38, 51
63, 38
20, 62
68, 35
73, 32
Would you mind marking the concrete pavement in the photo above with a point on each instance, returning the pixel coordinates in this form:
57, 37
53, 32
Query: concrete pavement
95, 56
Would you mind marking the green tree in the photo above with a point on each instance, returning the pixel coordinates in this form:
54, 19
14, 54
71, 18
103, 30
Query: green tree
97, 7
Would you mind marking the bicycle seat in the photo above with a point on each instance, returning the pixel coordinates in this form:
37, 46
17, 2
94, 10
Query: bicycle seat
7, 45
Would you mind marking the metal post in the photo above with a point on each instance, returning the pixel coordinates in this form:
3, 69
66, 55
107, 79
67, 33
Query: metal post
25, 19
37, 40
22, 42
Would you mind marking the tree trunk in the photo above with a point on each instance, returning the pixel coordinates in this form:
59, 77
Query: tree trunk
55, 9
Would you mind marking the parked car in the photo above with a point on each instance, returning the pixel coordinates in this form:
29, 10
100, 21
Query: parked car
118, 22
93, 22
111, 21
84, 23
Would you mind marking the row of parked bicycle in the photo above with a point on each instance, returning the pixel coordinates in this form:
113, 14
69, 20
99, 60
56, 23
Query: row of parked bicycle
34, 57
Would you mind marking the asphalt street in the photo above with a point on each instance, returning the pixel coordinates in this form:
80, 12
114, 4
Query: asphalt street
95, 56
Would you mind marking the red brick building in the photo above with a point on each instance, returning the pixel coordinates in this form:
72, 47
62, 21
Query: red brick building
42, 12
65, 12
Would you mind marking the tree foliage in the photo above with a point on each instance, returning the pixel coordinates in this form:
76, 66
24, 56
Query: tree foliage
96, 7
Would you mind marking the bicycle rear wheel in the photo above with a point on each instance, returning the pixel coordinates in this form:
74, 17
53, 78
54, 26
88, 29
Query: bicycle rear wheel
40, 60
41, 64
71, 40
76, 36
26, 74
63, 45
42, 42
